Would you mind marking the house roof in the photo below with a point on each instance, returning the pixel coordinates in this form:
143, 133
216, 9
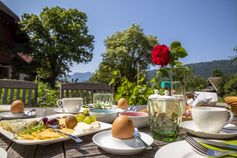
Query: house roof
25, 57
214, 82
7, 11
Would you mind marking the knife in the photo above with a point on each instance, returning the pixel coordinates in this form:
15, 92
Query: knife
138, 137
75, 138
217, 143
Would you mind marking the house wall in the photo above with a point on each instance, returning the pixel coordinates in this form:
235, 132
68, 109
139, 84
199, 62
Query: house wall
8, 28
6, 34
6, 40
4, 72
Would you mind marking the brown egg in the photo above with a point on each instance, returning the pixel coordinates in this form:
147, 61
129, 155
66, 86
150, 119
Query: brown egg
123, 103
70, 121
17, 107
122, 127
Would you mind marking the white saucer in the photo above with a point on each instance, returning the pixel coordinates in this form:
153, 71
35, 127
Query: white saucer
223, 134
3, 153
64, 111
120, 146
180, 149
4, 108
9, 115
114, 107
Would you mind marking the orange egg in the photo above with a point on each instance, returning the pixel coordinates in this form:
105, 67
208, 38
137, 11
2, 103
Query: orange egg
17, 107
123, 103
122, 127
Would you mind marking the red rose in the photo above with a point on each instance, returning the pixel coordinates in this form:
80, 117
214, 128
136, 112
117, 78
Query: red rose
160, 55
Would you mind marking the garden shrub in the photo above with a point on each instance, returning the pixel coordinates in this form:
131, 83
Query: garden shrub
135, 93
47, 97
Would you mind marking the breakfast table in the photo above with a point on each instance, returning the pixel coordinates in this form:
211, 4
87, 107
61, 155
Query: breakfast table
71, 149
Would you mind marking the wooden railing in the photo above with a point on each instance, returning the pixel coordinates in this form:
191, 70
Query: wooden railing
84, 90
11, 90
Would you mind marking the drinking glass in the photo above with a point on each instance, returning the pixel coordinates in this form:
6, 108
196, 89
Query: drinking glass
165, 116
103, 100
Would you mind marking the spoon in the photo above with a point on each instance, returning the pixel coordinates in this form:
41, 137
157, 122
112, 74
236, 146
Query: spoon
56, 129
31, 112
138, 137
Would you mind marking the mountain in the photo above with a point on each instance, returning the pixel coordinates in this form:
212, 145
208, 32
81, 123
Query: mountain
80, 77
205, 69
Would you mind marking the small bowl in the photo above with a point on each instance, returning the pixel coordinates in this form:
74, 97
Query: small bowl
104, 115
139, 119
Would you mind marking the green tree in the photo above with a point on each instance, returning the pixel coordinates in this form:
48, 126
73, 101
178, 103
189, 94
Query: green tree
59, 37
196, 83
135, 93
220, 85
217, 73
235, 57
127, 54
230, 88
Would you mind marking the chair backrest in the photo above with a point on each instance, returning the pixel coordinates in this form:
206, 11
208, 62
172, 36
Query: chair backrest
84, 90
11, 90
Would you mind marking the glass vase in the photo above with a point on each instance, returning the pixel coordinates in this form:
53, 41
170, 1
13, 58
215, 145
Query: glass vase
178, 85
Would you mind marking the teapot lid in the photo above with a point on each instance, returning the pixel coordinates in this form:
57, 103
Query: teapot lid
154, 96
164, 97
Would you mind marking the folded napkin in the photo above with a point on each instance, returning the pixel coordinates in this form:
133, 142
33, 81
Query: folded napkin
4, 108
230, 142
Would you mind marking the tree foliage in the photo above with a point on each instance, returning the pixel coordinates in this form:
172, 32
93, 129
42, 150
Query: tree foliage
127, 54
217, 73
136, 93
59, 37
47, 97
196, 83
235, 57
230, 88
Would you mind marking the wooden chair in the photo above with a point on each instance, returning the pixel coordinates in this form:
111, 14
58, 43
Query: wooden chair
84, 90
11, 90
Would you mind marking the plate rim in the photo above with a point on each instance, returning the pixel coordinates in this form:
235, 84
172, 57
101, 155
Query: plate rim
169, 144
11, 135
132, 149
4, 151
63, 112
2, 117
209, 135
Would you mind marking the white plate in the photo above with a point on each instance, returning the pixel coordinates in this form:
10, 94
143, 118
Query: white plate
4, 108
3, 153
120, 146
114, 107
78, 132
64, 111
223, 134
180, 149
9, 115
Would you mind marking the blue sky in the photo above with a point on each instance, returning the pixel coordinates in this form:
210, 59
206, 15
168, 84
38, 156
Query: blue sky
206, 28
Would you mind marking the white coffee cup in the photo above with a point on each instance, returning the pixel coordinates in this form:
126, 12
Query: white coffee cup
70, 104
211, 119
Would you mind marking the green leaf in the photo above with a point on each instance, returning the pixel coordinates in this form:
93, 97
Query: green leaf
174, 45
173, 55
181, 52
178, 64
112, 82
164, 72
